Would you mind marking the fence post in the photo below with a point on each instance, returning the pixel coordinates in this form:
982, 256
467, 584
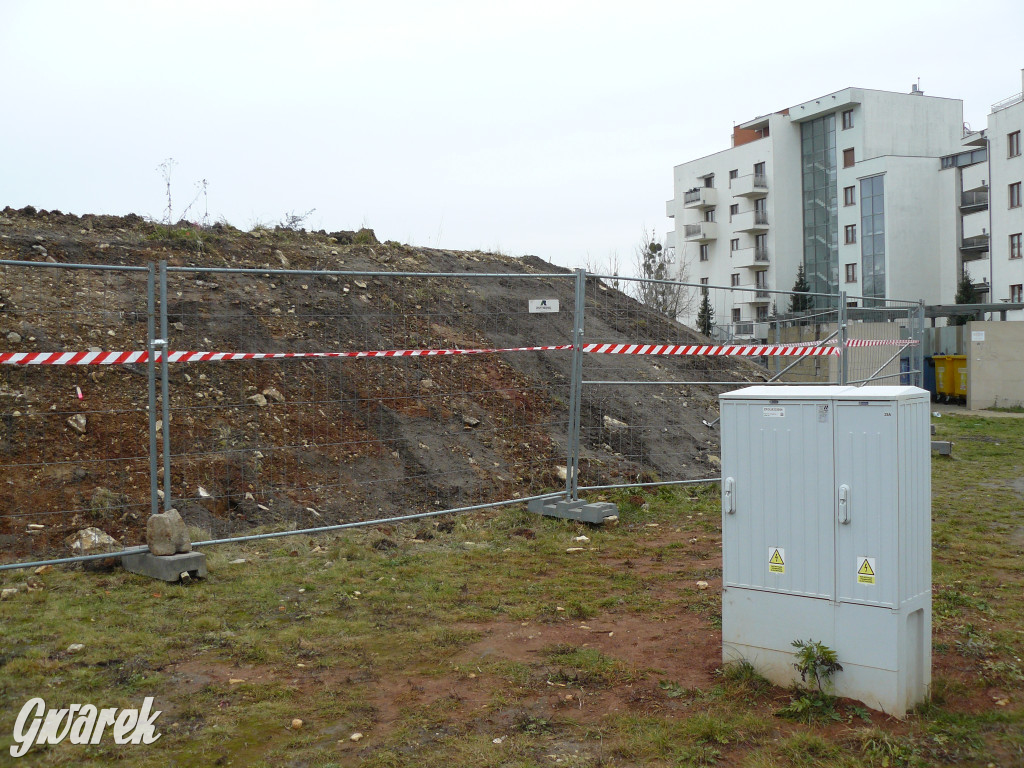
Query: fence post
154, 497
844, 371
165, 399
572, 463
917, 350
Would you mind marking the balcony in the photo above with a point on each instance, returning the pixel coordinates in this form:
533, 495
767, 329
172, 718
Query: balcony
751, 258
975, 200
750, 221
975, 224
756, 297
670, 239
701, 232
753, 185
974, 248
700, 197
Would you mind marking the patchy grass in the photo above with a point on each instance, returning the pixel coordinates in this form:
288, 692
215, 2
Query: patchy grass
483, 646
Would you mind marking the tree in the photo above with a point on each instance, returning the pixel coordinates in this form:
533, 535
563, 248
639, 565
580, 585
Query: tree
800, 303
654, 263
705, 314
965, 294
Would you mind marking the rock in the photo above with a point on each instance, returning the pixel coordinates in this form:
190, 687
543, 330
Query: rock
237, 561
42, 569
563, 472
273, 394
14, 337
702, 585
712, 459
470, 422
583, 539
75, 647
78, 423
355, 736
41, 250
260, 400
8, 593
282, 258
36, 527
91, 541
360, 284
296, 724
166, 534
610, 423
575, 549
178, 326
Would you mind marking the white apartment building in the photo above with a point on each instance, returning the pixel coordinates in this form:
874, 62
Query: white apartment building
845, 184
984, 179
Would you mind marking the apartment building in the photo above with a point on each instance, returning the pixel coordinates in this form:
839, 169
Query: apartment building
844, 184
981, 184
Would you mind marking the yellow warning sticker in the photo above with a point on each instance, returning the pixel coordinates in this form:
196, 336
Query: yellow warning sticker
866, 570
776, 560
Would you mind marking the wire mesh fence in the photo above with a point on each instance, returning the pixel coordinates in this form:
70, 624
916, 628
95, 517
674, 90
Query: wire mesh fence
380, 395
74, 444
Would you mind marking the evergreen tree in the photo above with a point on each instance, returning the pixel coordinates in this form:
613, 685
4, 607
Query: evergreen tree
800, 303
965, 294
705, 314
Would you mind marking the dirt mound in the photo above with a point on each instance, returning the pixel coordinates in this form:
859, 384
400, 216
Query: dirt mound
314, 441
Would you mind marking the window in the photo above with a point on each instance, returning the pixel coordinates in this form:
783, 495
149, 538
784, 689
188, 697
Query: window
847, 119
1015, 195
762, 313
709, 214
851, 273
734, 279
709, 181
1015, 250
761, 279
733, 174
851, 303
848, 158
733, 210
1013, 144
703, 281
735, 314
759, 169
704, 252
850, 230
734, 244
849, 195
1016, 293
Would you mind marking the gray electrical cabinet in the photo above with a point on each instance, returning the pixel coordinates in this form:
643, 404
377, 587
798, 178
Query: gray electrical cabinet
826, 535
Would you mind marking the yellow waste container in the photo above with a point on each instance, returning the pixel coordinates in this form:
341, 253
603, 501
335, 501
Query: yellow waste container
959, 366
944, 372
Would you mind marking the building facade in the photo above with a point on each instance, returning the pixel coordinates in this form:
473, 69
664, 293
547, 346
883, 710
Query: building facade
878, 194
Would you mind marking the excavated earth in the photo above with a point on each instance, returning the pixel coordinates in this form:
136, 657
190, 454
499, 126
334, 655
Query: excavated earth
309, 442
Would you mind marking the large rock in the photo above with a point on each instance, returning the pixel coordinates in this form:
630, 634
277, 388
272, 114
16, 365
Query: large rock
166, 534
93, 541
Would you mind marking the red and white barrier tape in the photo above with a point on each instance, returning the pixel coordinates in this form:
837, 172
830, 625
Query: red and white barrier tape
799, 349
125, 358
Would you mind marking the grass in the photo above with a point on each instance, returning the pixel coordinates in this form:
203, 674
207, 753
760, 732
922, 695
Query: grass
403, 645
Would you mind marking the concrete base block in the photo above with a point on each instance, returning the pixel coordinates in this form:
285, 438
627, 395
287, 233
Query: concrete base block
166, 567
943, 447
594, 512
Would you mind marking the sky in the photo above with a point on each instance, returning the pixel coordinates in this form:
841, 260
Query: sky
545, 128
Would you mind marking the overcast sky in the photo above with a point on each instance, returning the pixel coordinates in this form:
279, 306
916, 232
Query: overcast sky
548, 128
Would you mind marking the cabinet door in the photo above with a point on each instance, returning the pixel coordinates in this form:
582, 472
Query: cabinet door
867, 502
778, 518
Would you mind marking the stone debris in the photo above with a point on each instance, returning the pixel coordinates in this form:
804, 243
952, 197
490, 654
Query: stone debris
42, 569
583, 539
273, 394
91, 541
297, 724
702, 585
7, 593
14, 337
260, 400
75, 647
355, 736
611, 423
78, 423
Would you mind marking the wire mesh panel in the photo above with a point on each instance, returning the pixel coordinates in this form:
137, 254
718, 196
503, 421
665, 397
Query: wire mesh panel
649, 418
74, 439
308, 442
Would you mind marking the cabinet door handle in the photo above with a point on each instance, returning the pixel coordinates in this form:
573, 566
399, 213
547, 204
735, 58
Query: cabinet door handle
729, 495
844, 504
